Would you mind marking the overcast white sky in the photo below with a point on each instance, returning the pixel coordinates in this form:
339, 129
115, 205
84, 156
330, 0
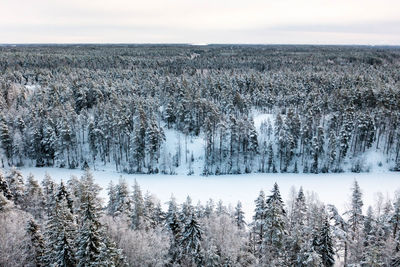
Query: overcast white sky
201, 21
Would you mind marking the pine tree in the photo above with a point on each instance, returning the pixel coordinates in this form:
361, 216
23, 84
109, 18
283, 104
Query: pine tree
49, 144
345, 134
138, 143
6, 141
331, 149
169, 114
93, 142
271, 157
155, 137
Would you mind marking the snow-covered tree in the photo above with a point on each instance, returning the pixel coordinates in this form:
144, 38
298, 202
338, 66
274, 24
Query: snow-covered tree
36, 245
275, 228
137, 206
239, 216
325, 245
192, 236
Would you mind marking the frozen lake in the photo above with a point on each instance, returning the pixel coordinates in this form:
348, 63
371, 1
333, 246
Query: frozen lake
331, 188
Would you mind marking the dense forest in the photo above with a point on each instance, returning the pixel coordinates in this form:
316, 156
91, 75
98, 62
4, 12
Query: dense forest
79, 106
67, 224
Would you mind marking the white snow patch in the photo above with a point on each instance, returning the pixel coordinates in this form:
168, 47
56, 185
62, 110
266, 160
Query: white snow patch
259, 118
191, 145
375, 161
32, 87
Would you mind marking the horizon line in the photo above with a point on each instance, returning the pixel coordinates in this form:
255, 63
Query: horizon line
194, 44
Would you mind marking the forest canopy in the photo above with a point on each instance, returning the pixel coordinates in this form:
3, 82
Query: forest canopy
81, 105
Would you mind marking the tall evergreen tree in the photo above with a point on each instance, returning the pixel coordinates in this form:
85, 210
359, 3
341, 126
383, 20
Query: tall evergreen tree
325, 245
33, 197
192, 236
137, 206
355, 223
61, 232
89, 241
6, 140
16, 185
275, 227
239, 216
258, 229
4, 186
36, 246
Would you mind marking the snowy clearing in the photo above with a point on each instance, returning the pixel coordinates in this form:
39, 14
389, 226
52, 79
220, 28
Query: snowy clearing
331, 188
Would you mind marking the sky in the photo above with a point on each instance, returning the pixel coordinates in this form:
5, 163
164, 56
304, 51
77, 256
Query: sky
364, 22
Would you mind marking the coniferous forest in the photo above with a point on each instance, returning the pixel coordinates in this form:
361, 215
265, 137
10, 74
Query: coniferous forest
79, 106
150, 109
67, 224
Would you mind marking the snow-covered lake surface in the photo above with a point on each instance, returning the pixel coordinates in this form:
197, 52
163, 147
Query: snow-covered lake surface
331, 188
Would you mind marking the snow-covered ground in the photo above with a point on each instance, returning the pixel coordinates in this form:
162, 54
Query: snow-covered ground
331, 188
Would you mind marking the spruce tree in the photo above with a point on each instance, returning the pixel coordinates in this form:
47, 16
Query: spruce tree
239, 216
16, 185
325, 245
4, 187
112, 196
36, 246
5, 204
137, 207
258, 229
275, 227
299, 231
192, 236
61, 232
175, 226
123, 202
49, 190
355, 223
89, 241
33, 197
